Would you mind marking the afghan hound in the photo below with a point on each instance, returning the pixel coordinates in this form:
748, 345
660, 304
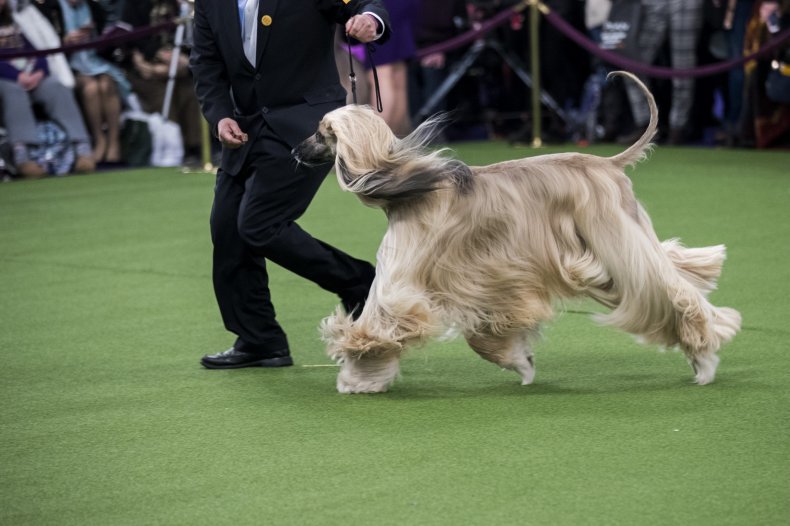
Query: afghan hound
491, 250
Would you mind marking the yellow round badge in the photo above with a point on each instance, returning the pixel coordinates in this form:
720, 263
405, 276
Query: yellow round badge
266, 20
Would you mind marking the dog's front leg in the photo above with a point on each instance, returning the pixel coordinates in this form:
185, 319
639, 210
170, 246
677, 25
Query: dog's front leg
368, 373
369, 348
368, 352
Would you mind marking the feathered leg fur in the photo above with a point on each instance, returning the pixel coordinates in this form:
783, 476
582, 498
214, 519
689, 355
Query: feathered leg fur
662, 288
512, 351
369, 348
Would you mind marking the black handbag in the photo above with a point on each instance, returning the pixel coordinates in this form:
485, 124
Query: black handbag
620, 32
136, 142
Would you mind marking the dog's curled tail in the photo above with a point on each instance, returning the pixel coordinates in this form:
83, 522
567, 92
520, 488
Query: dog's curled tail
637, 151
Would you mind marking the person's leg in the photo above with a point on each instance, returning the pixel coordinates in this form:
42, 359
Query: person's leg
20, 124
111, 115
278, 193
61, 106
393, 82
253, 220
400, 99
652, 34
735, 84
18, 118
186, 113
241, 284
685, 25
90, 95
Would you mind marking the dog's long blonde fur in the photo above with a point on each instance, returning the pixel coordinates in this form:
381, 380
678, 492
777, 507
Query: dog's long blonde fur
491, 249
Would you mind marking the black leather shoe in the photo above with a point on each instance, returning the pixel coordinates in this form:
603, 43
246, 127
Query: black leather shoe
236, 359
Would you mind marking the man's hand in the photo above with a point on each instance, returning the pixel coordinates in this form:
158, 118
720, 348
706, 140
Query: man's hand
363, 27
229, 134
77, 36
433, 61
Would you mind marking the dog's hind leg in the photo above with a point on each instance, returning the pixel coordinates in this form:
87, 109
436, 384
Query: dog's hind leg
512, 351
702, 328
661, 289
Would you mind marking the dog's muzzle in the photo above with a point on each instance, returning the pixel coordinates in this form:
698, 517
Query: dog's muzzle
312, 152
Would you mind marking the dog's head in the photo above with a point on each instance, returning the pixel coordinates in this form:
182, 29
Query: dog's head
351, 134
373, 163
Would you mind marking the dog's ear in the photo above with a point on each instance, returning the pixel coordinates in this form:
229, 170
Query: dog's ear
344, 176
373, 163
406, 181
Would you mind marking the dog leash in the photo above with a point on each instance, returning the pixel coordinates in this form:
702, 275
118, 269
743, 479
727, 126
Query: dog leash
353, 76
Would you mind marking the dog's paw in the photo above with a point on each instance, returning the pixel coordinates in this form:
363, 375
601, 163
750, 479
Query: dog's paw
704, 368
345, 387
526, 368
367, 374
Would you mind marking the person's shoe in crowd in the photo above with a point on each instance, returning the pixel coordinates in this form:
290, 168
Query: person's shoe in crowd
26, 168
30, 170
84, 164
677, 137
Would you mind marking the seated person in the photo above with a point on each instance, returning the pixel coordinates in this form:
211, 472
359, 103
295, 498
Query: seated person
25, 82
101, 86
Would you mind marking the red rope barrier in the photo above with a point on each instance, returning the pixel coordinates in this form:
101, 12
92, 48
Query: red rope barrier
611, 57
657, 71
112, 39
471, 35
459, 41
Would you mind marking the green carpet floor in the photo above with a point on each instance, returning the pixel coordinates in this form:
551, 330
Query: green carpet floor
107, 418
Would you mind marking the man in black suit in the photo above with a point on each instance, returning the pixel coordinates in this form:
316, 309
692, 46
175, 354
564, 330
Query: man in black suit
265, 75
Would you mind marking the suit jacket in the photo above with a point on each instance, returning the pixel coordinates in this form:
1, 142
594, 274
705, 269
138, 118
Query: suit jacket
295, 81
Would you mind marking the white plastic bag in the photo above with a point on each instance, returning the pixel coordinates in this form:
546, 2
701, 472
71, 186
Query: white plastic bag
167, 146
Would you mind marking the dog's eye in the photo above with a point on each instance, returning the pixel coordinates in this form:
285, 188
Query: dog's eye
319, 138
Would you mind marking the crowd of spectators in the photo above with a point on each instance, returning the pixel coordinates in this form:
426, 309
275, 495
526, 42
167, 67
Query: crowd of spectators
79, 100
746, 106
64, 114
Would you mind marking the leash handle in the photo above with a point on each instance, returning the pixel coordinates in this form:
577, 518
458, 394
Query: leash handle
369, 50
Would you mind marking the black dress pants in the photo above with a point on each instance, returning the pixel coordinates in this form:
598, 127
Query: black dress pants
252, 221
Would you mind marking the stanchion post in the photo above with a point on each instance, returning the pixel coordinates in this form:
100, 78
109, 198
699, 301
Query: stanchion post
534, 60
205, 146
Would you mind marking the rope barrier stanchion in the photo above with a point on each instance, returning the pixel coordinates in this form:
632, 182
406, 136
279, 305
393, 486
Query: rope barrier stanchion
98, 43
537, 115
205, 146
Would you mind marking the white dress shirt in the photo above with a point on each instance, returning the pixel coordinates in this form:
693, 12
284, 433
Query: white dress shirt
249, 29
